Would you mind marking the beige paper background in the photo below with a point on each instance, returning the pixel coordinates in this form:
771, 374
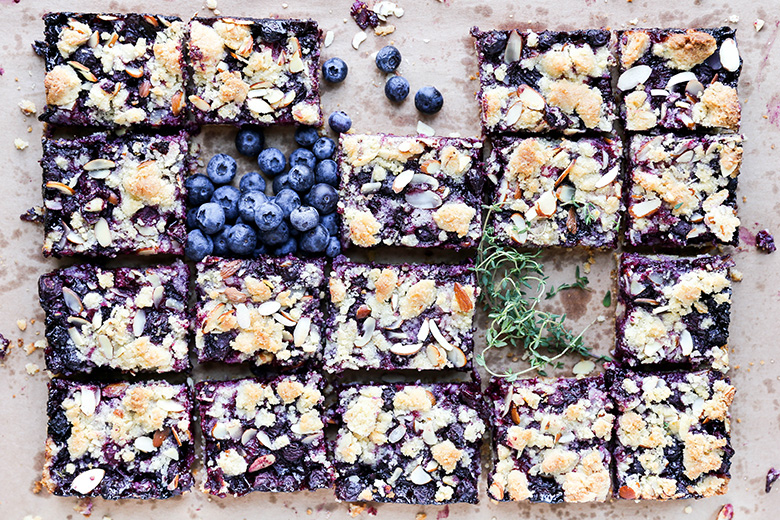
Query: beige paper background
433, 38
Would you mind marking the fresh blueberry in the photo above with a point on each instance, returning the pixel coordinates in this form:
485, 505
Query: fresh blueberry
221, 169
301, 178
334, 248
388, 58
287, 248
259, 250
192, 222
242, 239
278, 235
334, 70
304, 218
268, 216
288, 200
340, 122
396, 89
324, 148
227, 197
221, 242
198, 245
331, 223
281, 182
199, 189
304, 157
251, 181
247, 204
328, 172
210, 217
323, 197
306, 136
271, 161
428, 100
315, 240
250, 141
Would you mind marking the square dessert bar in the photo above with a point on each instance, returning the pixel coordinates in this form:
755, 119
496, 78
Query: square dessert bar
548, 81
400, 316
113, 70
676, 311
556, 192
412, 444
264, 436
129, 319
266, 310
679, 79
410, 191
251, 71
683, 190
118, 440
105, 195
551, 440
672, 435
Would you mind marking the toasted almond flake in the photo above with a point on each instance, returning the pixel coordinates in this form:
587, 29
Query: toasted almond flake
758, 24
404, 146
694, 88
144, 444
103, 232
370, 187
87, 481
645, 208
422, 334
513, 114
424, 129
457, 357
75, 238
106, 348
518, 232
686, 343
396, 434
607, 178
301, 331
532, 99
507, 402
402, 180
329, 36
369, 326
72, 300
273, 96
99, 164
177, 102
659, 92
565, 173
159, 437
431, 166
514, 47
729, 55
438, 336
200, 103
243, 317
259, 106
134, 72
435, 355
359, 38
406, 349
63, 188
95, 205
248, 435
268, 308
89, 400
464, 299
429, 436
265, 440
169, 405
285, 319
419, 476
262, 462
496, 490
94, 39
139, 323
424, 199
547, 204
726, 512
76, 336
586, 366
682, 77
219, 431
633, 77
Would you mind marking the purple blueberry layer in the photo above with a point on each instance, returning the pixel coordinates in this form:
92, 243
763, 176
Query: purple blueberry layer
249, 71
545, 82
679, 79
556, 192
400, 316
675, 311
128, 319
113, 70
672, 438
683, 190
118, 440
105, 195
266, 310
410, 191
551, 440
412, 444
264, 436
4, 344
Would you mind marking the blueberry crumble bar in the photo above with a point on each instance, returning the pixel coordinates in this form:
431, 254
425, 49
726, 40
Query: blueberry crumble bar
129, 319
118, 440
410, 191
113, 70
414, 444
679, 79
264, 436
105, 195
672, 434
549, 81
400, 316
683, 190
551, 440
265, 310
557, 192
676, 311
252, 71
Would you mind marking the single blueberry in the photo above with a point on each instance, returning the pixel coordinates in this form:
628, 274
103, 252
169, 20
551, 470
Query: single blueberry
331, 223
268, 216
242, 239
324, 197
251, 181
221, 242
221, 168
287, 248
227, 197
428, 100
250, 141
388, 58
315, 240
306, 136
278, 235
247, 204
288, 200
328, 172
396, 89
280, 183
273, 30
324, 148
301, 178
210, 217
493, 43
597, 37
334, 248
340, 122
335, 70
198, 245
271, 161
192, 221
302, 156
304, 218
199, 189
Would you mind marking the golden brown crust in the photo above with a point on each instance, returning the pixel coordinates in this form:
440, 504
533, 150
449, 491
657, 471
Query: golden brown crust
62, 85
455, 218
363, 228
637, 43
718, 107
385, 284
571, 96
639, 114
686, 50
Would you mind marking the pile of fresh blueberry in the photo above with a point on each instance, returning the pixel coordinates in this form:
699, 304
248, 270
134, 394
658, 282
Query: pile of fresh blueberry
300, 216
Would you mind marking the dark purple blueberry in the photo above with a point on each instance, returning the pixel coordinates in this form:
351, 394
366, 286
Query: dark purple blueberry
327, 172
771, 477
198, 245
251, 181
388, 58
210, 217
306, 136
363, 15
287, 248
319, 479
397, 89
192, 221
268, 216
260, 250
227, 197
331, 223
59, 428
242, 239
199, 189
765, 241
247, 204
250, 141
334, 247
340, 122
303, 156
279, 235
493, 43
315, 240
324, 148
323, 197
271, 161
300, 178
272, 30
334, 70
280, 183
596, 37
221, 169
545, 40
428, 100
351, 489
292, 452
220, 241
304, 218
288, 200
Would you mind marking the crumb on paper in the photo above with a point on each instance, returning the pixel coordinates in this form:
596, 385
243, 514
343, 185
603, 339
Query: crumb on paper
359, 38
285, 6
758, 24
420, 516
771, 476
211, 4
634, 21
84, 506
424, 129
37, 345
736, 274
688, 510
20, 144
356, 509
726, 512
733, 19
329, 36
4, 347
27, 107
765, 242
31, 517
32, 368
384, 30
22, 324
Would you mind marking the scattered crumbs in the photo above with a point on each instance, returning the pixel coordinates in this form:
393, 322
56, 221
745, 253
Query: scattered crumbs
84, 506
601, 318
733, 19
22, 324
765, 241
329, 36
424, 129
426, 40
359, 38
588, 263
634, 21
420, 516
309, 511
688, 510
726, 512
758, 24
31, 517
384, 30
32, 368
284, 6
356, 510
364, 17
771, 476
106, 517
736, 274
4, 343
20, 144
27, 107
211, 4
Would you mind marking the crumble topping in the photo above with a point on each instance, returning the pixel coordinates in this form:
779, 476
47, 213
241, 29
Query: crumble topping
718, 108
686, 50
635, 46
